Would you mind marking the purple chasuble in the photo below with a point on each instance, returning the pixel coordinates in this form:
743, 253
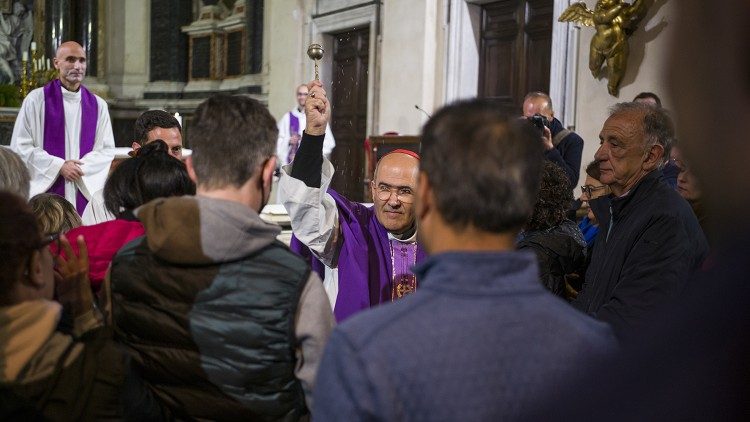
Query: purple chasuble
54, 131
293, 140
364, 264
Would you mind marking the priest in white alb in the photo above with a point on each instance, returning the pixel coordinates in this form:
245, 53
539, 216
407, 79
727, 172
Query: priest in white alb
64, 134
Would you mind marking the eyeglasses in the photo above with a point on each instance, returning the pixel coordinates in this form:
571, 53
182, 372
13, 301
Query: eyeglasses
403, 194
302, 94
589, 189
53, 241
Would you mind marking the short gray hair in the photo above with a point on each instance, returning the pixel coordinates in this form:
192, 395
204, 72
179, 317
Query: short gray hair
658, 127
14, 176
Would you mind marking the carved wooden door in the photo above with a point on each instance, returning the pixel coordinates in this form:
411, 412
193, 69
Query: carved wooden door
515, 50
349, 100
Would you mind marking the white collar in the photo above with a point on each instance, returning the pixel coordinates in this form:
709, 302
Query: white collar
411, 239
70, 95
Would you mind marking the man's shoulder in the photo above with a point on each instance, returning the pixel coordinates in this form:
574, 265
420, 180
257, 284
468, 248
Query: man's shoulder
128, 251
367, 329
99, 100
661, 199
571, 137
281, 254
35, 96
393, 325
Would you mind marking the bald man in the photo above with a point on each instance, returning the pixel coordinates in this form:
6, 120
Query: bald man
63, 133
368, 252
566, 147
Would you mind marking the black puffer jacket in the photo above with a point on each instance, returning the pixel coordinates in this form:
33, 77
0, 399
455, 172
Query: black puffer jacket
645, 259
560, 250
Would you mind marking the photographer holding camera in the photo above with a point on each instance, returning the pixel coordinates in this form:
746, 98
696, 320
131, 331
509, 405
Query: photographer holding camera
562, 146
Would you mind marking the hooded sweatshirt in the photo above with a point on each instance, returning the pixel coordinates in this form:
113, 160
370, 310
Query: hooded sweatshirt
203, 303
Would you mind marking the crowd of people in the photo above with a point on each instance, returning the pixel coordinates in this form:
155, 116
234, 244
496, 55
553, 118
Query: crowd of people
473, 288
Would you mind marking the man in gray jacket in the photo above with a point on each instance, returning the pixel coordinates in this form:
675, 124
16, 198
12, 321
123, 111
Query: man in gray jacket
222, 321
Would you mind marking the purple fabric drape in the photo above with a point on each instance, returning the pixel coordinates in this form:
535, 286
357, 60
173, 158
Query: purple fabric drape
364, 263
54, 131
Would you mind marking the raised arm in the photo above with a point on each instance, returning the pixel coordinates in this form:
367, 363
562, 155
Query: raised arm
635, 12
608, 15
304, 182
308, 162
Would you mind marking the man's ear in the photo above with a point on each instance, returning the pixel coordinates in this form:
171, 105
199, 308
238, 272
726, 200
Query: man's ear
267, 171
35, 275
654, 156
191, 169
425, 199
135, 146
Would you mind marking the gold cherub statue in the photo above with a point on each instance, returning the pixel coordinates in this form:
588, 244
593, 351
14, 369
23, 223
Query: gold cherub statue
614, 21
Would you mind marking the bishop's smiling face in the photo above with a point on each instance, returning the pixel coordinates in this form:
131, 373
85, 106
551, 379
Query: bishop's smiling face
393, 192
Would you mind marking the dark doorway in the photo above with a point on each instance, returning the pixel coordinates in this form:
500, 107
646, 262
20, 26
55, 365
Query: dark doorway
515, 50
351, 50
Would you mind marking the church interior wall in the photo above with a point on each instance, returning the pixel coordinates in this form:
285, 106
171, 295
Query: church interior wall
289, 31
408, 64
414, 59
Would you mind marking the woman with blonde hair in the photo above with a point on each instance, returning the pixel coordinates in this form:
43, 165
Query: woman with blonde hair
54, 213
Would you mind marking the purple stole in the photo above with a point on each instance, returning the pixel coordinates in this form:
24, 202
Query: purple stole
54, 131
365, 269
293, 130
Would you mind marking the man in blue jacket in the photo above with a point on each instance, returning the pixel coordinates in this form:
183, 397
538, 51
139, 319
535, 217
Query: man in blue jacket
649, 240
481, 339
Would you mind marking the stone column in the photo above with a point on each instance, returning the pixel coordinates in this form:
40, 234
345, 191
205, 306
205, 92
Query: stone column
254, 16
58, 23
127, 47
169, 46
86, 21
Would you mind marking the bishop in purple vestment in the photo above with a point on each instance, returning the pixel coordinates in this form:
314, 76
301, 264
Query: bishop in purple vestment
369, 251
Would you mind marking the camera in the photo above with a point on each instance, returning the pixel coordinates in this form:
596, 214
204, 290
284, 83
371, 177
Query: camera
539, 121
